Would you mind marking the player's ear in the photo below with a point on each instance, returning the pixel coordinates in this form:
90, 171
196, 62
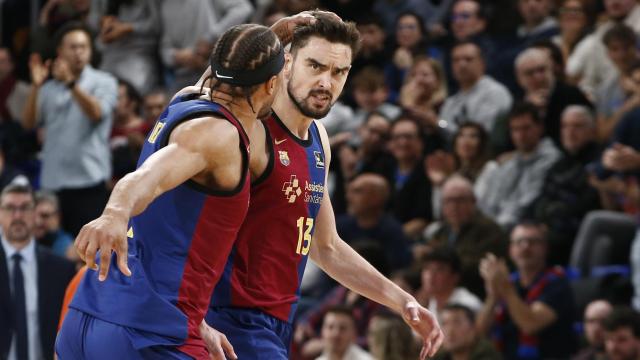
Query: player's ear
272, 85
288, 62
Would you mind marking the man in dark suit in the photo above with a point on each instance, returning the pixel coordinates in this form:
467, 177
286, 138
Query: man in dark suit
32, 281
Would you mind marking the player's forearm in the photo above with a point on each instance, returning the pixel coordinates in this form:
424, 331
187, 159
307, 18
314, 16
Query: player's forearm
131, 195
344, 265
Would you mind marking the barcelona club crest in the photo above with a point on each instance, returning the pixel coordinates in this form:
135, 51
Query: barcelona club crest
284, 158
319, 159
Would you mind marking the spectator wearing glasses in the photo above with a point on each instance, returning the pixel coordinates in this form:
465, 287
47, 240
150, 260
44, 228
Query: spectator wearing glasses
32, 281
530, 312
480, 99
576, 19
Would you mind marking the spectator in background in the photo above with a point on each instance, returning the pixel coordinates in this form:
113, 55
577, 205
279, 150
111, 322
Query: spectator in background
461, 338
410, 41
534, 70
75, 110
32, 281
514, 185
128, 132
537, 21
411, 190
595, 315
441, 271
153, 103
128, 33
424, 90
53, 15
480, 99
588, 65
390, 338
373, 51
367, 195
468, 20
13, 91
185, 46
532, 310
47, 229
339, 336
622, 334
576, 19
617, 95
566, 194
13, 95
466, 230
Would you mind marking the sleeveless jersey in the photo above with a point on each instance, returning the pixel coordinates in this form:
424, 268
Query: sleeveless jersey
267, 262
177, 250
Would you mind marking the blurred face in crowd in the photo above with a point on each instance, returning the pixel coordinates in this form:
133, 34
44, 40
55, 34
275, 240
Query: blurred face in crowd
338, 332
535, 72
525, 133
438, 278
75, 48
621, 344
425, 75
465, 20
408, 32
370, 99
372, 38
467, 64
17, 217
576, 131
618, 9
459, 331
47, 219
154, 104
317, 75
594, 316
528, 248
534, 11
622, 55
406, 144
573, 17
6, 65
367, 193
375, 133
458, 203
467, 143
125, 106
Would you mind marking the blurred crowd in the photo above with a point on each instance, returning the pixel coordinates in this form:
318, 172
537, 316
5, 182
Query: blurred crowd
486, 157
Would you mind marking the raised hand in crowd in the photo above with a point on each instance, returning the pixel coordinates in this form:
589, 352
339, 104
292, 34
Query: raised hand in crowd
39, 70
113, 29
439, 166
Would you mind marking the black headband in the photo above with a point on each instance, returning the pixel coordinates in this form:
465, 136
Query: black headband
249, 77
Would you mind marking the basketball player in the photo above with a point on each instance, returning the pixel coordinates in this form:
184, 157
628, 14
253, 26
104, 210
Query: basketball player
290, 218
180, 210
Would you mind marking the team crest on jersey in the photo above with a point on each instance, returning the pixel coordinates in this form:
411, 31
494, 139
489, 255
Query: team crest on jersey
292, 189
319, 159
284, 158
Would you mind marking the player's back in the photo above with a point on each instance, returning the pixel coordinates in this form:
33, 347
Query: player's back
268, 259
177, 249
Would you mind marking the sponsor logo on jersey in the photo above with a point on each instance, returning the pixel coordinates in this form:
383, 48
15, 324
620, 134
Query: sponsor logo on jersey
313, 192
319, 159
291, 189
284, 158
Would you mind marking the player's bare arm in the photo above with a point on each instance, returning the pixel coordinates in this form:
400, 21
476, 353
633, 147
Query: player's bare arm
343, 264
190, 154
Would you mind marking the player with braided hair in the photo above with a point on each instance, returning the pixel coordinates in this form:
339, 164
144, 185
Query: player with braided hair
173, 221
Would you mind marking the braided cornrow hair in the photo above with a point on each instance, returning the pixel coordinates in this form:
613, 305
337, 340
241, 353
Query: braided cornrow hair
244, 47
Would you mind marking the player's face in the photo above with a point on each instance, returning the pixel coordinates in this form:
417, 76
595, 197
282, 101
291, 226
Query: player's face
318, 73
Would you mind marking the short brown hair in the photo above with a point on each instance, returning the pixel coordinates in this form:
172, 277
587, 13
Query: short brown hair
370, 78
16, 188
329, 28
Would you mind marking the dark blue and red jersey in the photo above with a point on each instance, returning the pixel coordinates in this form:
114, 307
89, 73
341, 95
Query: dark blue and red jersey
267, 262
178, 248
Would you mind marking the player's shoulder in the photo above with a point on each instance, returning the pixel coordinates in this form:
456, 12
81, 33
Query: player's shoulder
324, 137
212, 132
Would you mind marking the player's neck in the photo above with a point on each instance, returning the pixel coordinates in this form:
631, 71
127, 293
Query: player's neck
291, 117
244, 113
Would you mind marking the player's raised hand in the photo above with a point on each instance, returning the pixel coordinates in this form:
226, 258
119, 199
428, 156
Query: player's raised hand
285, 27
424, 323
107, 233
217, 343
